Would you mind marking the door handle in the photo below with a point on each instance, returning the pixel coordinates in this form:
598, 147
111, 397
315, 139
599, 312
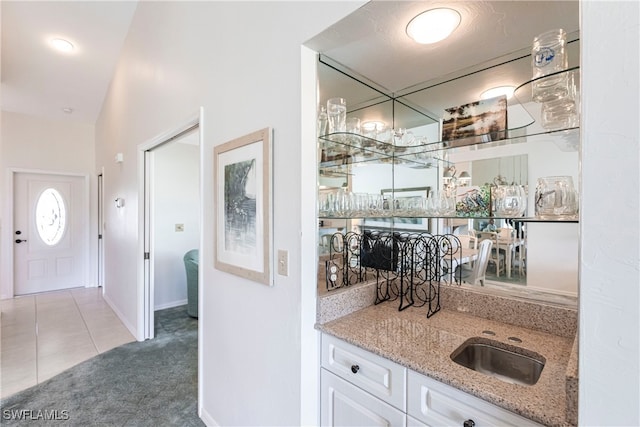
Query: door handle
20, 241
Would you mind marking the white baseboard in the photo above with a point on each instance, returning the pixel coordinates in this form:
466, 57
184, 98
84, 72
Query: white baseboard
170, 304
208, 419
118, 313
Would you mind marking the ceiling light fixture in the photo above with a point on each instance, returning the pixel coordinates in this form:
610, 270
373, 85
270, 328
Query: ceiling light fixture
62, 45
433, 25
498, 91
67, 110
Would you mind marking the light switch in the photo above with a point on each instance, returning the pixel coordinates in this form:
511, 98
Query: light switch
283, 262
179, 227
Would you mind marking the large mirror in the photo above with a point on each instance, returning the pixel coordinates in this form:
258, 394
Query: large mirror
546, 262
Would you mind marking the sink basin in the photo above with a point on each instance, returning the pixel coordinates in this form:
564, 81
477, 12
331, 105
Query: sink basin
508, 363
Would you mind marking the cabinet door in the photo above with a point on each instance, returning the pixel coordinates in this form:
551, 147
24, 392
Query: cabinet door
377, 375
343, 404
437, 404
414, 422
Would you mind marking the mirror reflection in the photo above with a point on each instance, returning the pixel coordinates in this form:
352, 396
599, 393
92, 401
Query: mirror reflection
359, 188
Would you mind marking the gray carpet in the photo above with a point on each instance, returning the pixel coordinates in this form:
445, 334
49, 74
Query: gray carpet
151, 383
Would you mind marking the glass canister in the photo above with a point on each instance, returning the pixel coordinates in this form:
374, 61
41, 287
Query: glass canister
563, 113
549, 56
510, 201
556, 198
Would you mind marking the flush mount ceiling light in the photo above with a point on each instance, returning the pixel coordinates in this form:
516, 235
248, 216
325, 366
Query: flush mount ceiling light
433, 25
62, 45
497, 91
67, 110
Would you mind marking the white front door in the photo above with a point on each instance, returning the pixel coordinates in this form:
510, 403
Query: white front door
50, 232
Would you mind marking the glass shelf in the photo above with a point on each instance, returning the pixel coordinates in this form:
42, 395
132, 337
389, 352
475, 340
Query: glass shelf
519, 219
344, 148
523, 94
339, 149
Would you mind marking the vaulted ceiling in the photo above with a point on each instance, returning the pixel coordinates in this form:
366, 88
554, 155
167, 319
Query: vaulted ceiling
39, 81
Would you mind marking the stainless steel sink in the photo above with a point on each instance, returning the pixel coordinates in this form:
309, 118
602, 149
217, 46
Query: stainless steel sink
507, 363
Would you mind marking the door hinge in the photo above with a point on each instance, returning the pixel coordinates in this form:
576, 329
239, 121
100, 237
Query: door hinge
99, 236
146, 255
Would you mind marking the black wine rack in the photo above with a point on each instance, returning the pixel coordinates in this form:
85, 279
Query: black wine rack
408, 267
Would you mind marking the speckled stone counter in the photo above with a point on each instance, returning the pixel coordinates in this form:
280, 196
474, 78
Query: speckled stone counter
425, 345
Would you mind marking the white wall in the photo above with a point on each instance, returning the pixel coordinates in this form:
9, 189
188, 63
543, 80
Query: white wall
38, 144
178, 57
176, 200
609, 272
552, 258
174, 61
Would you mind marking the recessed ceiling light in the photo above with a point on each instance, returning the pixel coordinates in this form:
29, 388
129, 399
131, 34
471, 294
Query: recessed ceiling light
67, 110
62, 45
497, 91
433, 25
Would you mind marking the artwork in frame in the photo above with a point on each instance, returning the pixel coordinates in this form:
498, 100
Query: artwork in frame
402, 220
480, 121
242, 185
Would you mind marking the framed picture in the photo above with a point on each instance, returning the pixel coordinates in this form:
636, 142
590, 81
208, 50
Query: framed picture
401, 197
242, 185
480, 121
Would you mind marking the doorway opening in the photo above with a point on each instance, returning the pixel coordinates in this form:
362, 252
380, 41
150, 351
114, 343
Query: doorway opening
172, 201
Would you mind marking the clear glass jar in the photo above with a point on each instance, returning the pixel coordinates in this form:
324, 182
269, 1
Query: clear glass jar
548, 56
556, 198
511, 201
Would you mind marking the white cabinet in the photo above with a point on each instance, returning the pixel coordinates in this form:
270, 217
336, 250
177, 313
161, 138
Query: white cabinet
359, 388
343, 404
378, 376
433, 403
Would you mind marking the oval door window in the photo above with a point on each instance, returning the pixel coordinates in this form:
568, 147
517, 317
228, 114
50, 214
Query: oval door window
51, 216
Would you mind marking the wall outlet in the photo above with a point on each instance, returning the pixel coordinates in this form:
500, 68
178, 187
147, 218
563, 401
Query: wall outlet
283, 262
179, 227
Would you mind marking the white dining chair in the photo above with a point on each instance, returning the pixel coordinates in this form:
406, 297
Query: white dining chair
476, 274
467, 241
506, 244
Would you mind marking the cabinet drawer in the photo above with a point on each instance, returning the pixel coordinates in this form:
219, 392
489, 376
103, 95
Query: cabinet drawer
437, 404
374, 374
343, 404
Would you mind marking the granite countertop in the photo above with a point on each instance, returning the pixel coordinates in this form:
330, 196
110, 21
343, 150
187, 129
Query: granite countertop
424, 345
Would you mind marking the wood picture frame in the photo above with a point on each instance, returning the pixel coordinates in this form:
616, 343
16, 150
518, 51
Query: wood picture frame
243, 206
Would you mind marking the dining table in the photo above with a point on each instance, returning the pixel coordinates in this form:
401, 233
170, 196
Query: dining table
507, 242
462, 256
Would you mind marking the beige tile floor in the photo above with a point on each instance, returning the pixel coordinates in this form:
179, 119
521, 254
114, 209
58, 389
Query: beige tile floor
45, 334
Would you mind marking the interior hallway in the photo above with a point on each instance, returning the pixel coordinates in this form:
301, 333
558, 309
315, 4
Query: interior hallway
45, 334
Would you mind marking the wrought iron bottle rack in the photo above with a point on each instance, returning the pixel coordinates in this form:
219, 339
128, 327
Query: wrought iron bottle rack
408, 267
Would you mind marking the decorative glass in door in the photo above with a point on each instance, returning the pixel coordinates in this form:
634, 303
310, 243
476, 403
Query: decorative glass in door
51, 216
